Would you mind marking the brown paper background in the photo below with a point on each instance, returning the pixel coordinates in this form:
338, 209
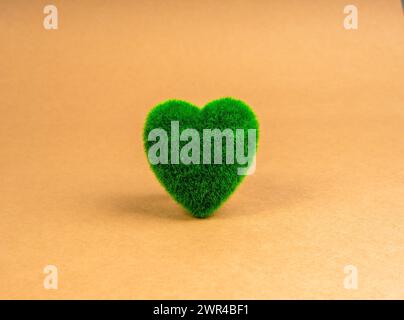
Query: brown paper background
76, 190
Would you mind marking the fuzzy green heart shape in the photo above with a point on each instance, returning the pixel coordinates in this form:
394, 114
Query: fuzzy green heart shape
200, 155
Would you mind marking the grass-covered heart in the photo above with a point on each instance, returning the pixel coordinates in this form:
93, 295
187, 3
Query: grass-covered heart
200, 156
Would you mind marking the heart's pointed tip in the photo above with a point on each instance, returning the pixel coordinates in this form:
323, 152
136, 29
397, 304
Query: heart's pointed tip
201, 214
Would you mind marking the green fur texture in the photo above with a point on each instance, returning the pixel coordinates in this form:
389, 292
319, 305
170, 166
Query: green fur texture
200, 188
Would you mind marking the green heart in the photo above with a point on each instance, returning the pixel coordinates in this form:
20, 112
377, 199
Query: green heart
200, 187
